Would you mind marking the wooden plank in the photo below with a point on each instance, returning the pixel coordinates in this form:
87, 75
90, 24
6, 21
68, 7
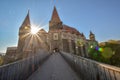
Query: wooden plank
103, 73
117, 75
107, 74
112, 75
100, 73
93, 71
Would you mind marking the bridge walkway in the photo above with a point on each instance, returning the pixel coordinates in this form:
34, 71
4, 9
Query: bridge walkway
54, 68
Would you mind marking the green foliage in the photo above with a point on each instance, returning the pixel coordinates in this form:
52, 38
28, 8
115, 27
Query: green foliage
100, 55
115, 59
93, 53
107, 53
111, 53
112, 46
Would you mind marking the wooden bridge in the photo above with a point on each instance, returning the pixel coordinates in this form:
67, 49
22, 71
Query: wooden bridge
58, 66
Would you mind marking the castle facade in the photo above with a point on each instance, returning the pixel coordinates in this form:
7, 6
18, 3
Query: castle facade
60, 37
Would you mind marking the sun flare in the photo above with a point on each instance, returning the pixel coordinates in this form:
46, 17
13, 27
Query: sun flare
34, 29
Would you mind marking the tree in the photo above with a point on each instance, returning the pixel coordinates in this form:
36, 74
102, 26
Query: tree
115, 59
94, 53
107, 53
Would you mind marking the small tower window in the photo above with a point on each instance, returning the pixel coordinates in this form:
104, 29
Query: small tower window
55, 36
26, 27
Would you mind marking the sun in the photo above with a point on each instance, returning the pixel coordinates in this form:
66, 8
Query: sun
34, 29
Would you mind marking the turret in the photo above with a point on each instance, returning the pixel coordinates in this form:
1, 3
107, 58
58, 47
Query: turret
92, 36
55, 22
24, 31
83, 36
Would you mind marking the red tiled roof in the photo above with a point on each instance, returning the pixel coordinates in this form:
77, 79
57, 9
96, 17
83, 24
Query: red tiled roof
55, 16
71, 30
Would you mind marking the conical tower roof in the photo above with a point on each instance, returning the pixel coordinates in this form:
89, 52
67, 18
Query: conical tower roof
91, 33
82, 35
26, 21
55, 16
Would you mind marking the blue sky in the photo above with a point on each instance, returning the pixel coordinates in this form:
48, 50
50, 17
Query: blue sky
102, 17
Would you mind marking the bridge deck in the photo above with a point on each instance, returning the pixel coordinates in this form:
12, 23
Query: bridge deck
55, 68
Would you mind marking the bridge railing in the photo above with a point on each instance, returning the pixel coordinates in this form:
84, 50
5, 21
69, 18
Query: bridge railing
22, 69
92, 70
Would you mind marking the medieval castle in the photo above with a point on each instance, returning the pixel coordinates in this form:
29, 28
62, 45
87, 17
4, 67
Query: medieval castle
60, 37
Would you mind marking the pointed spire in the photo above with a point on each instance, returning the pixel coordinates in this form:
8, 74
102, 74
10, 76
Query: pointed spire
26, 21
91, 33
28, 12
82, 34
55, 16
92, 36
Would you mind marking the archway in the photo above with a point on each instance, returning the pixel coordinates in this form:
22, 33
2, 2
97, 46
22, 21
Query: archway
55, 50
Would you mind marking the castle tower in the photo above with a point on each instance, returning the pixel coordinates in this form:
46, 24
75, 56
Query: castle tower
55, 22
24, 31
83, 36
92, 36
